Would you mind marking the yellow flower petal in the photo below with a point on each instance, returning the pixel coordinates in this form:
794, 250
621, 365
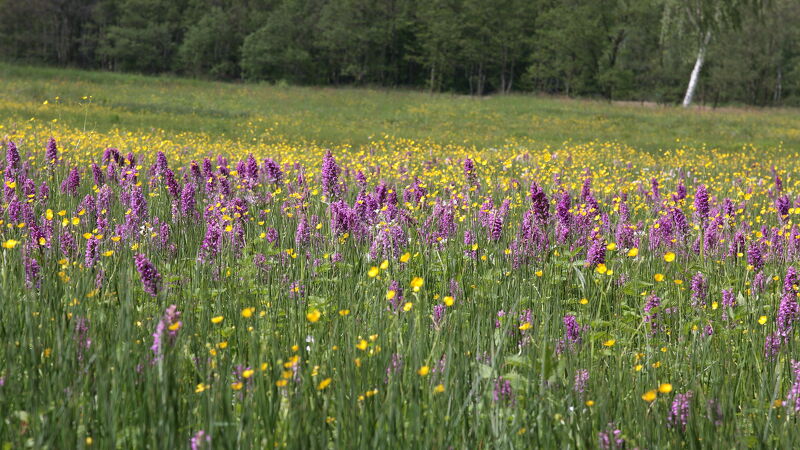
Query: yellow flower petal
313, 316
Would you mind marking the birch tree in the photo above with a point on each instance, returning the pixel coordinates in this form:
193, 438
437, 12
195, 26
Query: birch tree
703, 19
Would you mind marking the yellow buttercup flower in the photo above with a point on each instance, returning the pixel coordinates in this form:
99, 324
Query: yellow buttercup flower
324, 383
313, 316
11, 243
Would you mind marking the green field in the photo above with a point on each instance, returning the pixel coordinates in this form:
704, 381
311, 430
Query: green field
206, 265
347, 115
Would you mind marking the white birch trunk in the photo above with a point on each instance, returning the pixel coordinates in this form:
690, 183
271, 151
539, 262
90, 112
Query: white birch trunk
698, 65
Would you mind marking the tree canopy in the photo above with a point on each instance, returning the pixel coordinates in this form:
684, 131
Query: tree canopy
615, 49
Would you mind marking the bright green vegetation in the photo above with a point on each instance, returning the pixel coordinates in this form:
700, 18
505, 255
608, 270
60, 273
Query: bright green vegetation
400, 294
349, 115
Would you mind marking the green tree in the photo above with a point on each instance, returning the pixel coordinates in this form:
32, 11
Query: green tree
700, 20
284, 47
571, 39
211, 46
439, 38
145, 37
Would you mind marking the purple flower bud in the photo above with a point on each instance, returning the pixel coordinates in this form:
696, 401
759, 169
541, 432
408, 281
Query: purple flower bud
71, 184
755, 256
788, 313
699, 289
611, 438
470, 172
12, 158
701, 202
790, 280
679, 412
151, 279
581, 380
166, 331
188, 200
330, 175
51, 154
92, 252
82, 340
541, 205
596, 253
200, 440
303, 233
782, 204
438, 315
172, 185
273, 171
728, 300
772, 345
502, 393
32, 274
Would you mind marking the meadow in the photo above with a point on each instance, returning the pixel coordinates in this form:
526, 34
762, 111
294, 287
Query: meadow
202, 265
104, 102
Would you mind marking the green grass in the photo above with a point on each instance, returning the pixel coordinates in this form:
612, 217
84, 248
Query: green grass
361, 300
354, 116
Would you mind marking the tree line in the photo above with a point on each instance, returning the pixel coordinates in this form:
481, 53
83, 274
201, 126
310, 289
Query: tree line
731, 51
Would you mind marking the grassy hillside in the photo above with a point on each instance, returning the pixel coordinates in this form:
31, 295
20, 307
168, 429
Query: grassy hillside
353, 116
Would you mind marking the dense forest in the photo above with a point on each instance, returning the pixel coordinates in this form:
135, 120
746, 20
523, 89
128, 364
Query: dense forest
739, 51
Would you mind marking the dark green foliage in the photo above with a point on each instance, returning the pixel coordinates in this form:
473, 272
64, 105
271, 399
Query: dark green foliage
613, 49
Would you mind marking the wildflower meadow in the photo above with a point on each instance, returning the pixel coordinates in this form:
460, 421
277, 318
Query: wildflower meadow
186, 290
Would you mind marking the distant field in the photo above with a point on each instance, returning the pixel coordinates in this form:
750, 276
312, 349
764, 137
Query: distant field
354, 116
